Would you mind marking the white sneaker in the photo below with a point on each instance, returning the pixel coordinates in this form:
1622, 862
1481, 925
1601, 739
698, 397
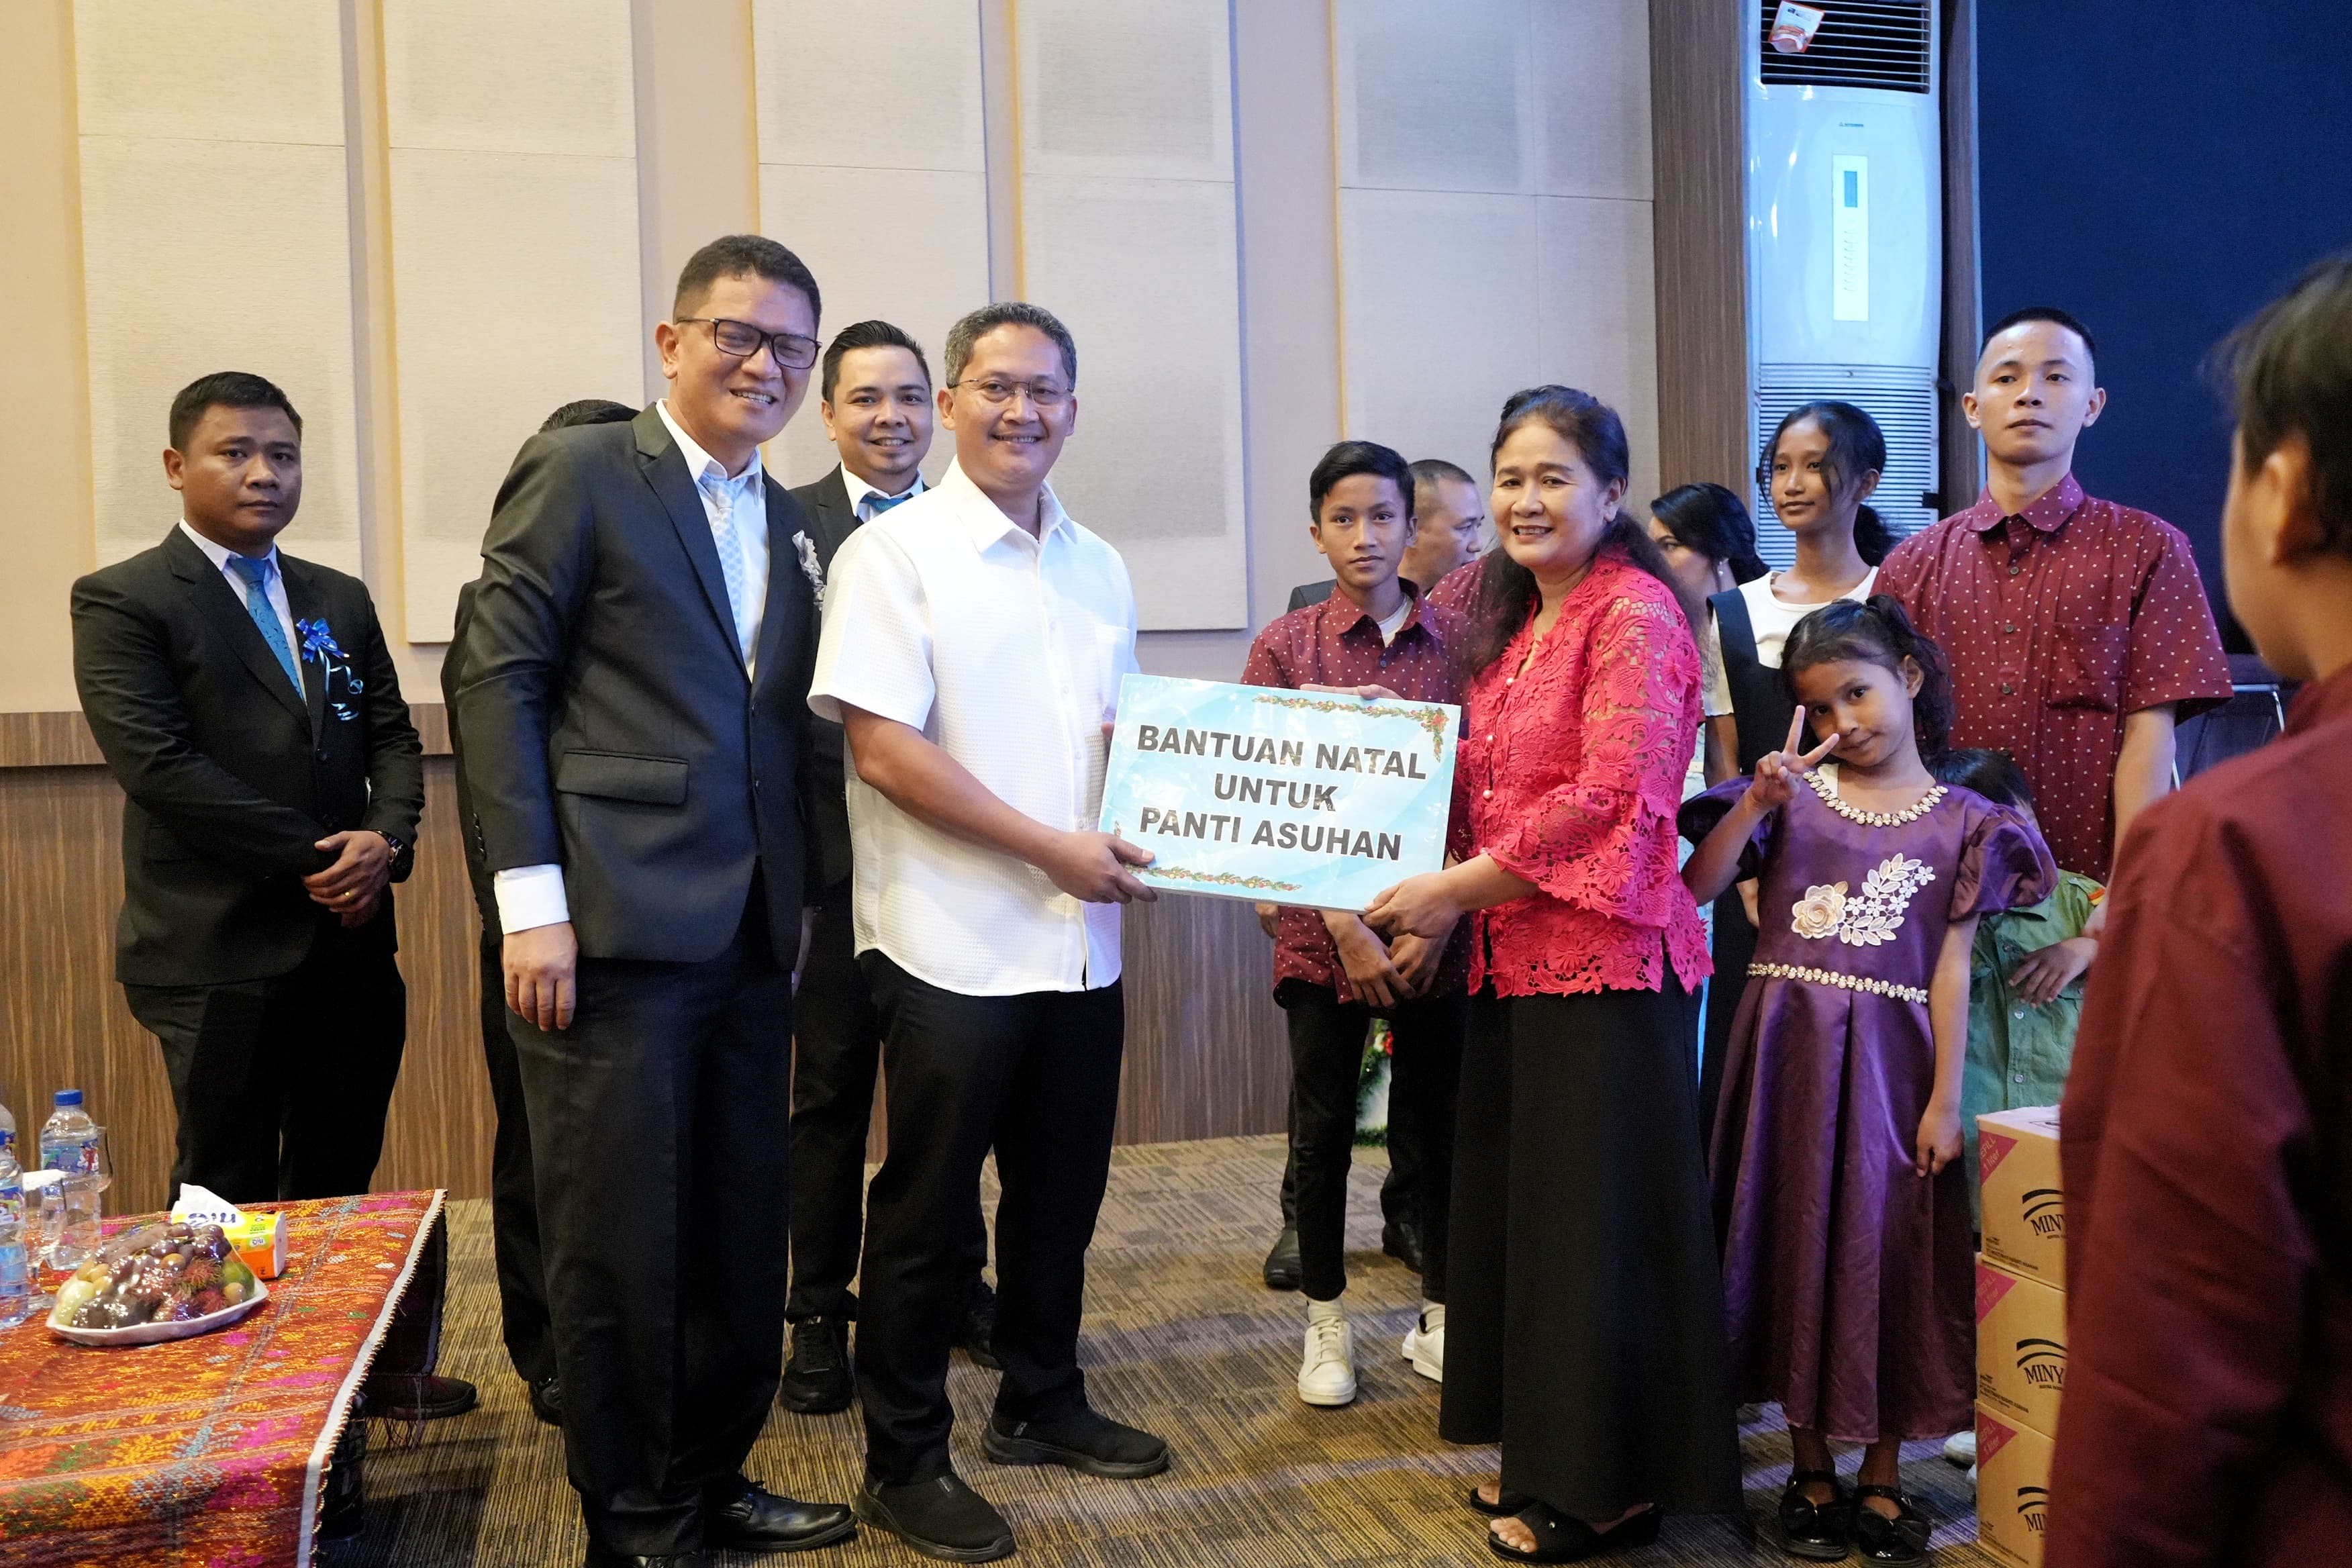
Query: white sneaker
1327, 1373
1961, 1449
1424, 1345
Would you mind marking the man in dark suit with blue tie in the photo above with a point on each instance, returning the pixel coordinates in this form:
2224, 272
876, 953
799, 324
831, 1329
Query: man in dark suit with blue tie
634, 710
247, 705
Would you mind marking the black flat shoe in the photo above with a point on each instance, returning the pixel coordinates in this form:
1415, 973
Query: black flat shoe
603, 1557
817, 1379
1561, 1539
546, 1398
939, 1518
1282, 1265
412, 1396
747, 1516
1900, 1541
980, 1327
1818, 1530
1401, 1241
1086, 1441
1505, 1505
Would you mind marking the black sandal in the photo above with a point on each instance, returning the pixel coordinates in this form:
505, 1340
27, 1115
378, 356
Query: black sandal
1819, 1530
1506, 1503
1899, 1541
1562, 1539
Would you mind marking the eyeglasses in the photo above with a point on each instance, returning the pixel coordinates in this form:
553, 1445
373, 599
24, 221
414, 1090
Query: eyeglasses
1045, 395
743, 339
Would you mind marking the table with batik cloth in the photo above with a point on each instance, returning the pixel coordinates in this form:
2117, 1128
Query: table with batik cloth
210, 1451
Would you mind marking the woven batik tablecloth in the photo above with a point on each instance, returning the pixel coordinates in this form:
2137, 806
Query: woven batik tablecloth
207, 1452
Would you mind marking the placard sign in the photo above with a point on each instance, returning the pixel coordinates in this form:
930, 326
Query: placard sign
1292, 798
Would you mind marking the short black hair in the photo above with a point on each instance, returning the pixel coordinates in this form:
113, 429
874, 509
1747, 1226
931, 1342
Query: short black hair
2049, 313
866, 335
226, 389
1713, 520
1993, 774
2288, 371
1349, 458
588, 411
1009, 313
740, 256
1437, 470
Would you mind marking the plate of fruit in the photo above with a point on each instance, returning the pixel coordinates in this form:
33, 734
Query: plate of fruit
162, 1280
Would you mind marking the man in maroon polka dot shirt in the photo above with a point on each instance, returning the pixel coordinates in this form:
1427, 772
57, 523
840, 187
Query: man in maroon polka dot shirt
2077, 629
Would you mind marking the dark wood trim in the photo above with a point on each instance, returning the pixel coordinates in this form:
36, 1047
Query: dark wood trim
1698, 54
1959, 462
64, 740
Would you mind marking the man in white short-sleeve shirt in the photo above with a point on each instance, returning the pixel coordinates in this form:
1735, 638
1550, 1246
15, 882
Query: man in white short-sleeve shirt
974, 640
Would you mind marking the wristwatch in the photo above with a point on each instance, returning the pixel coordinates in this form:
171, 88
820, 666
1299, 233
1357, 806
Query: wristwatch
393, 839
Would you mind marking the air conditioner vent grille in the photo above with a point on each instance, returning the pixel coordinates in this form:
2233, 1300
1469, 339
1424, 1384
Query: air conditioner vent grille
1862, 43
1903, 402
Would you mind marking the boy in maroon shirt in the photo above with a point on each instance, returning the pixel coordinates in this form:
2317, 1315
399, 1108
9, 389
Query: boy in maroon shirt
2208, 1122
1375, 635
2076, 629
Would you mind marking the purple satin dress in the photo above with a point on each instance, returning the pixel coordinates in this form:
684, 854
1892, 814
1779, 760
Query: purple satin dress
1849, 1279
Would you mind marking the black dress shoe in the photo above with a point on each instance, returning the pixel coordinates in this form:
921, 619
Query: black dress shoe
1282, 1263
980, 1327
546, 1398
746, 1517
414, 1396
939, 1518
1400, 1239
605, 1557
816, 1378
1086, 1441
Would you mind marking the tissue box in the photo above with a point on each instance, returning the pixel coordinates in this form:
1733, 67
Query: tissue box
2012, 1488
2025, 1211
2020, 1347
258, 1239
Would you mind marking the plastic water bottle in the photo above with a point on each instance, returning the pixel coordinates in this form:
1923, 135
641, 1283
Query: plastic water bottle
15, 1268
69, 1144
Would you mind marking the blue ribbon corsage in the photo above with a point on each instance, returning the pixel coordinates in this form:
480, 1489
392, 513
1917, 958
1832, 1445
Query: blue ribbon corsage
319, 644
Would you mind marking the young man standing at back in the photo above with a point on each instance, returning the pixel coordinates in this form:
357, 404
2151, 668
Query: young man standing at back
2077, 629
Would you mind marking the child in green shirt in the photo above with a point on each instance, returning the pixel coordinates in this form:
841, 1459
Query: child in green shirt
2025, 980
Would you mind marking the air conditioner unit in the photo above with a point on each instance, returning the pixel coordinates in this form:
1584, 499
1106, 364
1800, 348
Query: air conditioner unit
1845, 238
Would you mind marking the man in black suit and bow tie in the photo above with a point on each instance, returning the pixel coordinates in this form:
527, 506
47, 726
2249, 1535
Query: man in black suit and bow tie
247, 705
875, 394
634, 711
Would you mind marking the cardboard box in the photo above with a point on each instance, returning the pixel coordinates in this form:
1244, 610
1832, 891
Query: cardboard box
2020, 1347
2012, 1488
2024, 1212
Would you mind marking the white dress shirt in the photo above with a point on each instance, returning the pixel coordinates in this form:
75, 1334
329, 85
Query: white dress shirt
737, 508
1006, 651
859, 490
219, 555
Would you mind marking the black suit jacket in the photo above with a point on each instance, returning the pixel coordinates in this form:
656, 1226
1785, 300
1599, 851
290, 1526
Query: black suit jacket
231, 778
469, 824
609, 724
1307, 594
830, 520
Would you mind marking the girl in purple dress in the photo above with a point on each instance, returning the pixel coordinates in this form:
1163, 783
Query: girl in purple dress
1840, 1200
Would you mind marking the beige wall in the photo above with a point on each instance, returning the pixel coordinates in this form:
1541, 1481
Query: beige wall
697, 150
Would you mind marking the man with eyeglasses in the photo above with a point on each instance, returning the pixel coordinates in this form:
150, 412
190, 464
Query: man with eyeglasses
974, 641
634, 711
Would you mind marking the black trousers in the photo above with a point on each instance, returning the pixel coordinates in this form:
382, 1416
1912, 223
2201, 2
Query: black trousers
1399, 1189
281, 1085
1035, 1076
1735, 948
514, 1195
660, 1126
1327, 1055
836, 1050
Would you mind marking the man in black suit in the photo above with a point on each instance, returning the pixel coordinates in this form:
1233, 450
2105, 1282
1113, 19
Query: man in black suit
875, 394
633, 709
514, 1197
247, 705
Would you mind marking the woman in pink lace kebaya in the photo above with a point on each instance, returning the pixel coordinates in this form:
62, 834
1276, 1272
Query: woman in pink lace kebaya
1586, 1330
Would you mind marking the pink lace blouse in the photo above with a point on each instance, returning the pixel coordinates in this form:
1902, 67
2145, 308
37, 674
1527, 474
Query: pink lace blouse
1570, 777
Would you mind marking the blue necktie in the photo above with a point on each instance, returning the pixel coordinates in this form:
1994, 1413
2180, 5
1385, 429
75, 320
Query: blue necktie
265, 619
876, 503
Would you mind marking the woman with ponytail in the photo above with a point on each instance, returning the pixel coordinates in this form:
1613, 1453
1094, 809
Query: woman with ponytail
1585, 1332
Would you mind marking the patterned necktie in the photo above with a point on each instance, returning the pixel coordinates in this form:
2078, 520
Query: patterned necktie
720, 494
265, 619
876, 503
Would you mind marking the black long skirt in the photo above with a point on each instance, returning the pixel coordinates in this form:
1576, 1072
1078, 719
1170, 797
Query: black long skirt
1585, 1327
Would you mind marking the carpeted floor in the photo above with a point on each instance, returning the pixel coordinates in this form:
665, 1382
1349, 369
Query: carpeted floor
1180, 1338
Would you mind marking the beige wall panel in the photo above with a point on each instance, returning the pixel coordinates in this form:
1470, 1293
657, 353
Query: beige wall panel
1443, 319
251, 70
1599, 323
515, 278
1592, 98
1434, 97
511, 76
834, 91
1137, 91
206, 256
840, 221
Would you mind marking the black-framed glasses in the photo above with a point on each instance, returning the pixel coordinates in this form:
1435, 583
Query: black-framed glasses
743, 339
994, 389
